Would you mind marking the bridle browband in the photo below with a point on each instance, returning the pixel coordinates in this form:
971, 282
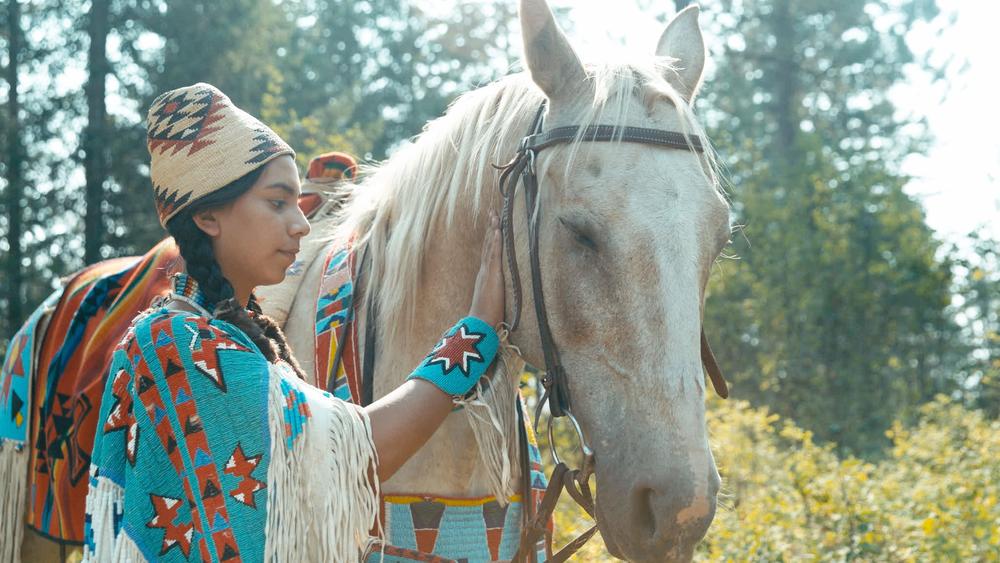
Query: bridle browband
554, 382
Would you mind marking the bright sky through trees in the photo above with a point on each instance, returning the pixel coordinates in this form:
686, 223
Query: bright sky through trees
958, 181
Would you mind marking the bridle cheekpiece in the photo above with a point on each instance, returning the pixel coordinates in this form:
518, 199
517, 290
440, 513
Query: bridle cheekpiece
521, 169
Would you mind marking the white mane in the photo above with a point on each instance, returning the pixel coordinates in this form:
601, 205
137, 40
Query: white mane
449, 168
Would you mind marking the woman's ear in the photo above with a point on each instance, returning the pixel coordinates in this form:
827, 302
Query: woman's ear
208, 221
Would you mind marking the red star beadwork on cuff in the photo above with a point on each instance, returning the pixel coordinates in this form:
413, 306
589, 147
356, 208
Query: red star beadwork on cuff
457, 350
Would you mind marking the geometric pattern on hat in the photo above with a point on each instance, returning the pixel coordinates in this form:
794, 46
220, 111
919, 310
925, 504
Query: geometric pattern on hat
184, 119
168, 201
267, 145
199, 142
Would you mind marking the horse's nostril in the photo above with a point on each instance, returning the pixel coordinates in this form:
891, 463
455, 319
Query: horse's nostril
645, 512
669, 519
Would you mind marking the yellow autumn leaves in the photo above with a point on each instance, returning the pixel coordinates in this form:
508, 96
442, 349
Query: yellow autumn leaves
933, 496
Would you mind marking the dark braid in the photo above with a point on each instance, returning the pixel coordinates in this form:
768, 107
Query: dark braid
199, 258
274, 333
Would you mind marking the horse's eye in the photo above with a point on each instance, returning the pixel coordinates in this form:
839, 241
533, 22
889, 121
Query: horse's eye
580, 234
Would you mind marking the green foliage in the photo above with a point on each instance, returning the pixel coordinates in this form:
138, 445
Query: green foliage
328, 75
164, 45
46, 112
935, 497
835, 310
395, 64
978, 289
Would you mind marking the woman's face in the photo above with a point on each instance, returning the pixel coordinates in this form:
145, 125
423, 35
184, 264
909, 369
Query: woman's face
256, 237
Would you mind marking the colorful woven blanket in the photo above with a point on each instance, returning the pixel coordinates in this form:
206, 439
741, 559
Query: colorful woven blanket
334, 309
15, 391
15, 417
96, 307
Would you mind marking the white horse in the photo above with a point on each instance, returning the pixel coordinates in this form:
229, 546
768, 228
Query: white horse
628, 237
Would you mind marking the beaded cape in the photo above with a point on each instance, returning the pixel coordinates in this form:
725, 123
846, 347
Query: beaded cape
206, 451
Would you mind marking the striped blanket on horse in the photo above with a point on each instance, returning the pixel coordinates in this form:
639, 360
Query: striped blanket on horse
71, 368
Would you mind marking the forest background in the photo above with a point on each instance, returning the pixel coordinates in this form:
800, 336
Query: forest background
837, 306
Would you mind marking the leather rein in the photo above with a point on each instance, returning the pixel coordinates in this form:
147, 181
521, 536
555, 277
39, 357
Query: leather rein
522, 168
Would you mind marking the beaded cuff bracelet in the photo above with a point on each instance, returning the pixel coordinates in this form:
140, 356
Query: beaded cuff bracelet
461, 357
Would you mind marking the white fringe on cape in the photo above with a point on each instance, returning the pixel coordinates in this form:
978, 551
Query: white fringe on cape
322, 495
104, 501
13, 477
493, 418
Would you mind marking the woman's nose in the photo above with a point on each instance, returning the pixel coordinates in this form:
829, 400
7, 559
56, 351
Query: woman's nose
300, 225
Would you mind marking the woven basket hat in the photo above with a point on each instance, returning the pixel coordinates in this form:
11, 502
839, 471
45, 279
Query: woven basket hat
199, 142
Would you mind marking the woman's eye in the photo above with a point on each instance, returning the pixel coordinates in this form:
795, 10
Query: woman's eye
278, 203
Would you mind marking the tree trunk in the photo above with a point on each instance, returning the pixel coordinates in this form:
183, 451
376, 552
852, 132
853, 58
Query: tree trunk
15, 175
94, 160
786, 102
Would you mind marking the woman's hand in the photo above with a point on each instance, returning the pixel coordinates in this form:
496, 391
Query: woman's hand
405, 419
488, 296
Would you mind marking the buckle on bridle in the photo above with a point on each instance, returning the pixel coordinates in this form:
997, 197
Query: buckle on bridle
532, 153
588, 454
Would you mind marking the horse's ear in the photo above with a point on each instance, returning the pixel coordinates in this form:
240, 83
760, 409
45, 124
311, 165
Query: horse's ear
682, 40
547, 53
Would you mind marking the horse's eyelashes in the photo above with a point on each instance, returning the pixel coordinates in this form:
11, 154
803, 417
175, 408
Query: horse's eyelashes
586, 241
580, 234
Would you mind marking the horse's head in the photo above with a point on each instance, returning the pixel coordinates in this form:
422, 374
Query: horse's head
628, 235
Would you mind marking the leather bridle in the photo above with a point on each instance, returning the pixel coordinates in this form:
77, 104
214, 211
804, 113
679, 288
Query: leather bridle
521, 169
555, 383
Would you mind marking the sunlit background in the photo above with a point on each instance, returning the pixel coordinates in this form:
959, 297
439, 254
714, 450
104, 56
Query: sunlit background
958, 180
860, 330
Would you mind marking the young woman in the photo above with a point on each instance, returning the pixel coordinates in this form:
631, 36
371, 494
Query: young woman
210, 446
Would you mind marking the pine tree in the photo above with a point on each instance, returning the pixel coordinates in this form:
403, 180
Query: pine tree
94, 136
14, 189
835, 311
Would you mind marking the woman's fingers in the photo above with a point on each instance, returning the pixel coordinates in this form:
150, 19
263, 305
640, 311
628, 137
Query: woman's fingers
488, 296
